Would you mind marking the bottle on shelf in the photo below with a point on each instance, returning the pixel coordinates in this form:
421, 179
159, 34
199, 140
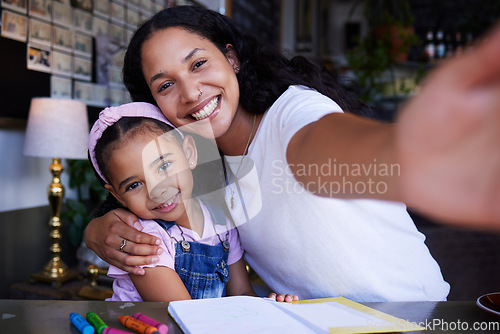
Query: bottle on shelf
440, 47
430, 47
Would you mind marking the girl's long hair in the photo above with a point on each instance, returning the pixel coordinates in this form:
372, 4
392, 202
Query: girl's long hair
265, 73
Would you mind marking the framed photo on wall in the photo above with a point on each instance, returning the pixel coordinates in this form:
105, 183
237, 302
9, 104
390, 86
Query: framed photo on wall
83, 91
39, 58
41, 9
20, 6
14, 26
40, 32
101, 7
61, 63
83, 21
100, 26
132, 18
62, 14
82, 68
117, 12
62, 39
82, 44
117, 32
60, 87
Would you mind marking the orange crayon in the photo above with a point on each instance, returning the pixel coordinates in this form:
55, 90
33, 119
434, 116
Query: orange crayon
137, 325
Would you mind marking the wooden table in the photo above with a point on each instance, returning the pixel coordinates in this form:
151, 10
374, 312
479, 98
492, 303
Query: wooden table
52, 316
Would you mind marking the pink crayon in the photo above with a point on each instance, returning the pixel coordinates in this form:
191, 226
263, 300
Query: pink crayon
162, 328
110, 330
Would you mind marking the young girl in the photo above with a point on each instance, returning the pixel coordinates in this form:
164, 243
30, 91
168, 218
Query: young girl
146, 165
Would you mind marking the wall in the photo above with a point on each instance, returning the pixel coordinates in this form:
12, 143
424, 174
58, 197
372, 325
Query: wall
24, 211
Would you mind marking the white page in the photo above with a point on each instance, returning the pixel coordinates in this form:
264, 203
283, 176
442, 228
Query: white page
331, 315
238, 314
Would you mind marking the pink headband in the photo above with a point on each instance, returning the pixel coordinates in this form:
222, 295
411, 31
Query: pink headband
111, 115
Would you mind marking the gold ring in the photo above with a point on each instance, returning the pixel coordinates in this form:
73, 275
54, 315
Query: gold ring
124, 242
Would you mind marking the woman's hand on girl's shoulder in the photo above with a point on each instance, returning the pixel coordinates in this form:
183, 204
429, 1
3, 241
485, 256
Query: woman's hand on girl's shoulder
115, 236
288, 298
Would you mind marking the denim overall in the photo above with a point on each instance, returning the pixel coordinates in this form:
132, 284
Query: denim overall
202, 268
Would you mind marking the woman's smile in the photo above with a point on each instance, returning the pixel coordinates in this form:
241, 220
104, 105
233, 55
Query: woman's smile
207, 110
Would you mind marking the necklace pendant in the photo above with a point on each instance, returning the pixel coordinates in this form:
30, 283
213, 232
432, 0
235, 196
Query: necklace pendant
232, 202
225, 245
185, 246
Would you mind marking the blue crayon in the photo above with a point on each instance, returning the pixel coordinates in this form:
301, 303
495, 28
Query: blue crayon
81, 324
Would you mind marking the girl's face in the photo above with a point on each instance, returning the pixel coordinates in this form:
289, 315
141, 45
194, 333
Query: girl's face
151, 175
178, 65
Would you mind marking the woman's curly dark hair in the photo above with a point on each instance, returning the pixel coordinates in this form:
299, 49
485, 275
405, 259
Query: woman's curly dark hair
264, 75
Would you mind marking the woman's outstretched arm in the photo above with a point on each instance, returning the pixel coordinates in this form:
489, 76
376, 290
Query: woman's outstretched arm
105, 235
445, 145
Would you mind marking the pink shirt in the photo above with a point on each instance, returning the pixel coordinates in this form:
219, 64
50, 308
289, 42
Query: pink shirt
124, 289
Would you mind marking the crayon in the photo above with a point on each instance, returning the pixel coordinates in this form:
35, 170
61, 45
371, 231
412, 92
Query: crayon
111, 330
162, 328
81, 324
137, 325
97, 322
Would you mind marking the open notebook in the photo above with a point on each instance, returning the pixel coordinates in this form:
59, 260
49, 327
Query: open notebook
244, 314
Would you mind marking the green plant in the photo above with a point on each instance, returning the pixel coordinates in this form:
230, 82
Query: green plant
77, 212
390, 35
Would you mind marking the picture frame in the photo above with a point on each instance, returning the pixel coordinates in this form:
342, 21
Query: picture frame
62, 63
60, 87
20, 6
100, 26
82, 44
133, 18
40, 32
39, 58
14, 26
117, 32
62, 39
117, 13
82, 91
82, 21
82, 68
41, 9
102, 7
62, 14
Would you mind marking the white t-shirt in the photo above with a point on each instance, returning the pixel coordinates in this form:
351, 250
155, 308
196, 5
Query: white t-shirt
365, 250
123, 287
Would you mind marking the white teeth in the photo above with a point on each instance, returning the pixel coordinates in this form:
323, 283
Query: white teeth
168, 203
207, 110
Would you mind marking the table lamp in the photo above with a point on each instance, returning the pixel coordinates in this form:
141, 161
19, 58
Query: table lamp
57, 128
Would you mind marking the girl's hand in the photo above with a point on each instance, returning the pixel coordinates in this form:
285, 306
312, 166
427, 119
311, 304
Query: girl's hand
288, 298
105, 236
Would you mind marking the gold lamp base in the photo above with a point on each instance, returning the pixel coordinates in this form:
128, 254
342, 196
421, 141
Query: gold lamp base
55, 271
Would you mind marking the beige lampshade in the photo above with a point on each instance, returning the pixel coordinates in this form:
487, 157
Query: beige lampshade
57, 128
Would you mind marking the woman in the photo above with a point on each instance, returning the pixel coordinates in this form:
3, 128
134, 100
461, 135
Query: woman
196, 65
